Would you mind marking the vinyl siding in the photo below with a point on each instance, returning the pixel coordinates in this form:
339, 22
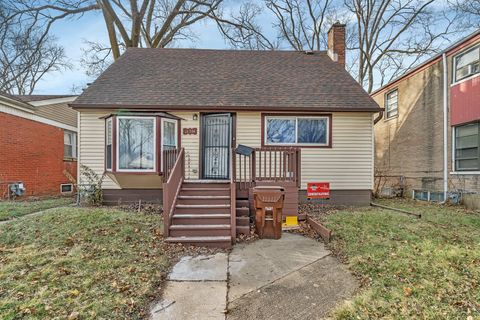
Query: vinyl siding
60, 112
348, 165
91, 145
191, 143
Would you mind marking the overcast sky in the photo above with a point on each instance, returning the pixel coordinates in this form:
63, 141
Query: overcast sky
71, 34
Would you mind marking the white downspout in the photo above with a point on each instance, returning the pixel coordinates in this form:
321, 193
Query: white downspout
445, 127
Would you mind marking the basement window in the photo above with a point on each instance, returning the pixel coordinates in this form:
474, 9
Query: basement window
66, 188
467, 139
391, 104
467, 64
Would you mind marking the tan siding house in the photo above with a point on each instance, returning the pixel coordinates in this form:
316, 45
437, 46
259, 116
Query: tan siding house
198, 129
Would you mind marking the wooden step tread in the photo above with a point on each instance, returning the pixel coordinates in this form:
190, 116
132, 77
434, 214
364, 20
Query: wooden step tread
199, 226
199, 239
203, 189
204, 197
201, 206
202, 216
206, 181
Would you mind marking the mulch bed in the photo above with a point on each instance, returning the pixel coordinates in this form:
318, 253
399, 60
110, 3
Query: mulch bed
317, 211
142, 207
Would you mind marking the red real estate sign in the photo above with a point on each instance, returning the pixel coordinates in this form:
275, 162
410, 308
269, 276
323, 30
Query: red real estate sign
318, 190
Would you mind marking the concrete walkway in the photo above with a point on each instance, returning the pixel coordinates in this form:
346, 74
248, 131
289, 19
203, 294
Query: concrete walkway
291, 278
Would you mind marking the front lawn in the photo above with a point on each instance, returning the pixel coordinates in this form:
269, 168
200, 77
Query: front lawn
80, 263
14, 209
426, 268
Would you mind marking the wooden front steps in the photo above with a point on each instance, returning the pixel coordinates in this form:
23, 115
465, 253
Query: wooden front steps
201, 215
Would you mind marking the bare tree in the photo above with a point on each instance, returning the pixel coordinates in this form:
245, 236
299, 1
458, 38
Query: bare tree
134, 23
384, 37
25, 56
393, 35
469, 12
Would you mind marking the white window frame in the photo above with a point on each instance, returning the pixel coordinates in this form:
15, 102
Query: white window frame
109, 120
74, 145
66, 184
455, 58
296, 144
386, 104
154, 144
163, 120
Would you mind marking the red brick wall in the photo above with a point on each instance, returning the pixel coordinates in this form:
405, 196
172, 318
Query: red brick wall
32, 152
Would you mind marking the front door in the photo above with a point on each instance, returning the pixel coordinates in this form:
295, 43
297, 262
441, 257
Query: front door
216, 145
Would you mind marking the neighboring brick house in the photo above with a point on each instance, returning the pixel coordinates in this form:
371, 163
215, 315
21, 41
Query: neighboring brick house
409, 140
37, 144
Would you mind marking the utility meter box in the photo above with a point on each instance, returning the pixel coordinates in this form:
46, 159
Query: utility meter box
17, 189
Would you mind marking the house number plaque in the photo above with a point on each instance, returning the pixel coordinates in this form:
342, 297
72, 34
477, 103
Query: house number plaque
190, 131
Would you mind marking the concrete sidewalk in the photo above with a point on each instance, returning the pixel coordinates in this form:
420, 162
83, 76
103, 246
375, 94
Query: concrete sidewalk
291, 278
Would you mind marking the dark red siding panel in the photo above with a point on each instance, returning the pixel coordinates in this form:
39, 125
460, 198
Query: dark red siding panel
465, 101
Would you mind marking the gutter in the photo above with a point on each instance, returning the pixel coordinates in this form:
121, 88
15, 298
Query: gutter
445, 127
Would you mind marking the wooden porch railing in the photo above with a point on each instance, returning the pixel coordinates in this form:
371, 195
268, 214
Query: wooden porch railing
169, 157
233, 198
280, 164
173, 175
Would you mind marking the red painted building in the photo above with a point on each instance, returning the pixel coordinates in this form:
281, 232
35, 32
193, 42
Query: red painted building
37, 144
414, 149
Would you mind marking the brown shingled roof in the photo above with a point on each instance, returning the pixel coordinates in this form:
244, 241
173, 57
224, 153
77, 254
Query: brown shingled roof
226, 79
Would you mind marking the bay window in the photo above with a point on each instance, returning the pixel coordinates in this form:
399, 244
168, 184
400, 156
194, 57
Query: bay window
108, 143
297, 131
136, 144
467, 140
169, 134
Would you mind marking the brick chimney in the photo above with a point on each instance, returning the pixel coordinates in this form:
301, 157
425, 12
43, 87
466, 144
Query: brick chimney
336, 42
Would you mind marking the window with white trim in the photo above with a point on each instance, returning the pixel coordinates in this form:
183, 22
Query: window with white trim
136, 144
391, 104
467, 64
298, 131
108, 143
467, 142
69, 144
169, 134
